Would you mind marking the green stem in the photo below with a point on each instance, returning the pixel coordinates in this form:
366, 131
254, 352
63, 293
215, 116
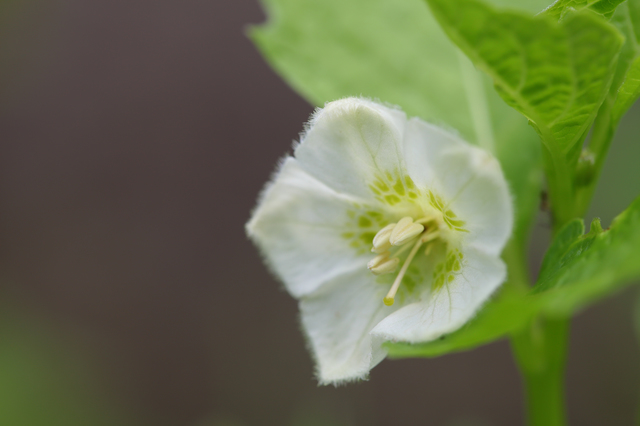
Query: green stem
517, 268
540, 351
560, 183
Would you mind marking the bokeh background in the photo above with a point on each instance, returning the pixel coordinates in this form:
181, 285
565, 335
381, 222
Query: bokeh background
135, 136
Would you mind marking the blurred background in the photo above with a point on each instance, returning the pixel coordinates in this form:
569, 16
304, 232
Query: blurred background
134, 139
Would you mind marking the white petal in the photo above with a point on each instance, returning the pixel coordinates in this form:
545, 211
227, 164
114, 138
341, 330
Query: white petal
351, 142
337, 320
443, 311
299, 226
467, 178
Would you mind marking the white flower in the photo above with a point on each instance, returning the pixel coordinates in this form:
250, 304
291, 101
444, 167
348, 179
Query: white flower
376, 207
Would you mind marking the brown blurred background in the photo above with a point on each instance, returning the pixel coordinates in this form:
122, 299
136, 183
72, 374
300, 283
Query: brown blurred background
135, 136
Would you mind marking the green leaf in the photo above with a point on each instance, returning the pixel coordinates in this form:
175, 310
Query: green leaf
557, 75
625, 88
396, 52
561, 243
46, 376
628, 92
577, 270
622, 94
561, 7
595, 265
568, 245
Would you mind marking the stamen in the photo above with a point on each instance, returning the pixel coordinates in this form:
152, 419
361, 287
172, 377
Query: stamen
402, 249
382, 264
389, 299
381, 240
430, 236
404, 231
426, 219
427, 251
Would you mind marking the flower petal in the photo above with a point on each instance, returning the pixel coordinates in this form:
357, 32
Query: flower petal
337, 320
447, 309
299, 225
352, 143
469, 180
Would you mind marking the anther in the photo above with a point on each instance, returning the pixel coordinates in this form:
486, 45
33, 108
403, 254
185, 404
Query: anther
404, 231
381, 240
383, 264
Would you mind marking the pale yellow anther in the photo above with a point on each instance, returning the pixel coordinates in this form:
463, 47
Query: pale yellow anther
404, 231
381, 240
383, 264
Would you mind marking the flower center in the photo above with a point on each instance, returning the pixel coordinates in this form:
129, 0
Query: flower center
405, 235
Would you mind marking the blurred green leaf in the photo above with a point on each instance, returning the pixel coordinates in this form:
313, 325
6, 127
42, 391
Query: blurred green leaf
46, 377
561, 7
396, 52
577, 270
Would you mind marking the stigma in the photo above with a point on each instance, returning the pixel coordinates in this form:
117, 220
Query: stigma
404, 235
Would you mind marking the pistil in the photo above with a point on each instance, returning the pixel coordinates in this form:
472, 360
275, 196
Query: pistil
389, 299
406, 234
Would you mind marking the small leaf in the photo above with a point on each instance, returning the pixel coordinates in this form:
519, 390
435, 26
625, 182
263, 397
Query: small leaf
595, 265
568, 245
561, 243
